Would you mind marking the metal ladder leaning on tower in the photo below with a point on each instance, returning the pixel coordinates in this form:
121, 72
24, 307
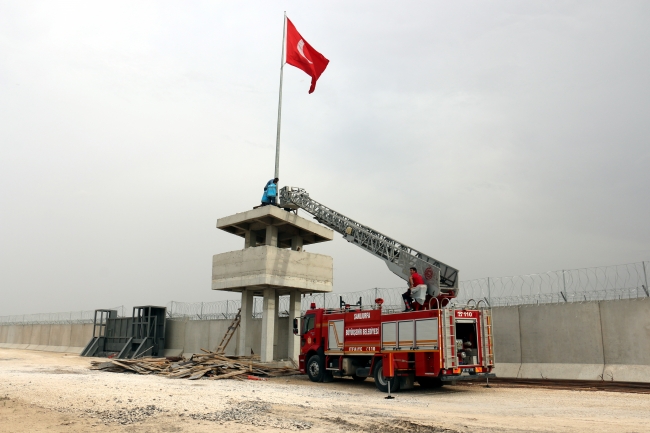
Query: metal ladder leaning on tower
229, 333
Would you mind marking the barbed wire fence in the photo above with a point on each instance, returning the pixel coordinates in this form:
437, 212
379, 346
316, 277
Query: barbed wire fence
70, 317
628, 281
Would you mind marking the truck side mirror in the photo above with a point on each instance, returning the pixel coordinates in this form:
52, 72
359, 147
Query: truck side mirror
295, 327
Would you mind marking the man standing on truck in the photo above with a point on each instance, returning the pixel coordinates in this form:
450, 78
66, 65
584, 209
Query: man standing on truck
417, 290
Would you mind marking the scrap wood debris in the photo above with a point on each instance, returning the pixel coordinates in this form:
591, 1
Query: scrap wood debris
211, 365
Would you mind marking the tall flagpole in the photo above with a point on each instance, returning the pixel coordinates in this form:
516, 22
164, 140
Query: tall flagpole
277, 138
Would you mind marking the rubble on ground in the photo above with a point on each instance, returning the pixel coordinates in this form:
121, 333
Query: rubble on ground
210, 365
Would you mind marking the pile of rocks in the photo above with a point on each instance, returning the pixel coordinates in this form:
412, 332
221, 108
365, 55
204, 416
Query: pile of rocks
125, 415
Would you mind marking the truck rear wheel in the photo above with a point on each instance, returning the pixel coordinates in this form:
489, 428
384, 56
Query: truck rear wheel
315, 369
381, 381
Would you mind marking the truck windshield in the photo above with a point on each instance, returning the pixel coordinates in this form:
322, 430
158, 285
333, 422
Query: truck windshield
309, 323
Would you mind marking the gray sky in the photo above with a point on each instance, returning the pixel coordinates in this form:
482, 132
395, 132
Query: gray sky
500, 137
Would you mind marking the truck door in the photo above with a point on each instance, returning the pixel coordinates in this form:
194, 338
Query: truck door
308, 335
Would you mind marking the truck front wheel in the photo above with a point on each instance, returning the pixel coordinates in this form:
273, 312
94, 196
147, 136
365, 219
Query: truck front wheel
381, 381
315, 369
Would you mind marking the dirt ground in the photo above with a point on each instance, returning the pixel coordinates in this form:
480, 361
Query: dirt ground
54, 392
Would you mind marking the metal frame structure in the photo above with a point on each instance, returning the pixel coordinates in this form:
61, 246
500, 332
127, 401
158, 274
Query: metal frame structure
99, 331
397, 256
128, 337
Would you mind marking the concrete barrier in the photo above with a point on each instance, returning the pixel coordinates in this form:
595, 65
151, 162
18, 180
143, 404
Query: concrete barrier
11, 337
282, 348
51, 338
175, 337
256, 330
80, 335
43, 337
218, 329
18, 336
39, 337
34, 337
197, 336
507, 341
4, 331
561, 341
626, 340
607, 340
59, 340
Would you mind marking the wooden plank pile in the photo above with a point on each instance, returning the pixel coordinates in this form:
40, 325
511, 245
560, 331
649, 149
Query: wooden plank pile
210, 365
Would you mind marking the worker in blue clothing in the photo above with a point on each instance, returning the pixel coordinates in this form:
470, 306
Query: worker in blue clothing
275, 181
270, 192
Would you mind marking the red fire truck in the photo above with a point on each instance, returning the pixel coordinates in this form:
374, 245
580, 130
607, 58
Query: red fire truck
431, 346
441, 342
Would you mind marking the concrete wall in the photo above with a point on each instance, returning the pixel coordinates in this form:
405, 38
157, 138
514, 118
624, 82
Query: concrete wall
607, 340
59, 338
190, 336
507, 340
182, 337
626, 340
53, 338
561, 341
4, 333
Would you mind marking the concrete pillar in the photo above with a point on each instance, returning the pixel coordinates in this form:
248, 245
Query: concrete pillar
250, 239
271, 236
269, 312
294, 311
243, 345
276, 333
296, 243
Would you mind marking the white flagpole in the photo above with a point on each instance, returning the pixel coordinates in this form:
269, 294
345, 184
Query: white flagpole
277, 138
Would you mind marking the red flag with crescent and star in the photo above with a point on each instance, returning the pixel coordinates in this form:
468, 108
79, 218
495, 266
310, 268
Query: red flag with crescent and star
303, 56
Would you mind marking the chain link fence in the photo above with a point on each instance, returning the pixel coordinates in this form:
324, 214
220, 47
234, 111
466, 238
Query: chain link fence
628, 281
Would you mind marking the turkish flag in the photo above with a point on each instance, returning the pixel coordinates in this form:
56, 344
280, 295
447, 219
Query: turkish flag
301, 55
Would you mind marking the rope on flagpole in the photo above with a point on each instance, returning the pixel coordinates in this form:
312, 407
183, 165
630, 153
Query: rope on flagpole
277, 138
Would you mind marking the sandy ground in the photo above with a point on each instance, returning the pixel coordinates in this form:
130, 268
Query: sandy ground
55, 392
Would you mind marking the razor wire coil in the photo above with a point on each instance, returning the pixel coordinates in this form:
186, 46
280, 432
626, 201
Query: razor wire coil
627, 281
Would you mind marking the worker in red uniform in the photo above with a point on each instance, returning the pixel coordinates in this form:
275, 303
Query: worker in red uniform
416, 283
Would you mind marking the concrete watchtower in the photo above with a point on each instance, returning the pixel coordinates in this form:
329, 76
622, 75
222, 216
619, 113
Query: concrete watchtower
272, 264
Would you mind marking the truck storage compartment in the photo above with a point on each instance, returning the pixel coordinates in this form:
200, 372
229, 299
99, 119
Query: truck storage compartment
466, 342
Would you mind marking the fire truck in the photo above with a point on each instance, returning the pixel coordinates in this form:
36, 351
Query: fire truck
440, 342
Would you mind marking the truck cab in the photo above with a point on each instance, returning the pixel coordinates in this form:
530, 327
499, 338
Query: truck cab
310, 336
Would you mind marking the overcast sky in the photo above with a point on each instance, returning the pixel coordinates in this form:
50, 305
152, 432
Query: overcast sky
501, 138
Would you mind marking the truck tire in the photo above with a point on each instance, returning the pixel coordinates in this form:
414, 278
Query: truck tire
381, 382
358, 378
430, 382
315, 368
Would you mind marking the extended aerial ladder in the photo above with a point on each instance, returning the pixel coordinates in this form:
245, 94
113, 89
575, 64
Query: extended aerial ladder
440, 278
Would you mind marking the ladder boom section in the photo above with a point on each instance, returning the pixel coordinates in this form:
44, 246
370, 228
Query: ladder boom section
438, 276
